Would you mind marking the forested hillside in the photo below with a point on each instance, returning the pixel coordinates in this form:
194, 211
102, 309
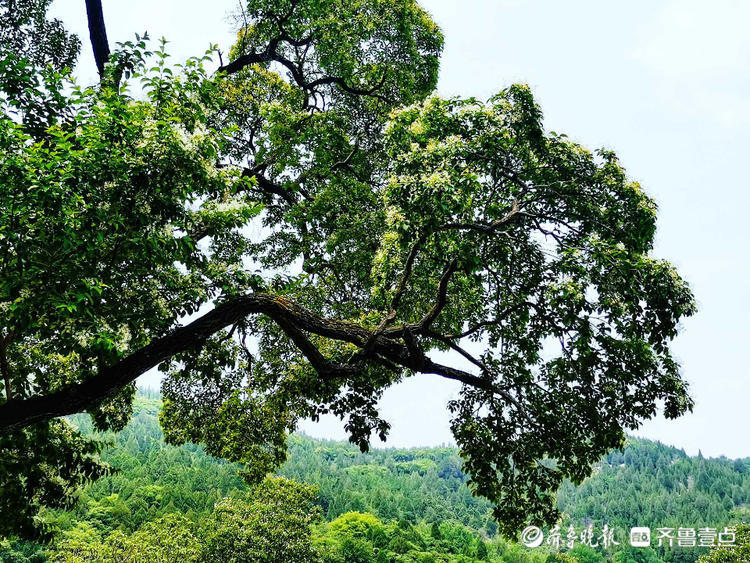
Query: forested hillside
659, 485
386, 505
647, 483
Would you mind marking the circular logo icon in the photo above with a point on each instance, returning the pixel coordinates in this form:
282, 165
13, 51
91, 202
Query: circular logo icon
532, 536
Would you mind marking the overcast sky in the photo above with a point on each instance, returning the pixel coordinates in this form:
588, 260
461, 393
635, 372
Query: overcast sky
664, 83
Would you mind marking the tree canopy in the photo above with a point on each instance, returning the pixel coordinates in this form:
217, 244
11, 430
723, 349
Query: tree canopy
291, 232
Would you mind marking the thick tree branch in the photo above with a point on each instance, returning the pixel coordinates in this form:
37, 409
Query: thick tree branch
401, 288
246, 60
271, 54
292, 318
442, 296
322, 365
98, 34
346, 88
271, 187
460, 375
79, 397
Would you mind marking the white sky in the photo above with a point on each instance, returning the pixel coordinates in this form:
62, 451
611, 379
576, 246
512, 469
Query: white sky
664, 83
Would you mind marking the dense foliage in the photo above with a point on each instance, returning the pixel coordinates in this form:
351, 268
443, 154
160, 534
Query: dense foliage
329, 223
406, 504
740, 552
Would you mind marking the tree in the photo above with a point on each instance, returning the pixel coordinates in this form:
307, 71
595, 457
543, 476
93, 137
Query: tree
435, 531
637, 555
357, 551
739, 550
330, 222
273, 526
482, 552
586, 554
21, 552
169, 538
560, 558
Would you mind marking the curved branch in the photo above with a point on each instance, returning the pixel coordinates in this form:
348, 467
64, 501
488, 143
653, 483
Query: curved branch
291, 317
78, 397
271, 54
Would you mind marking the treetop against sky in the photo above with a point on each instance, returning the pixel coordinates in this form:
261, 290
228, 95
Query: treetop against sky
665, 84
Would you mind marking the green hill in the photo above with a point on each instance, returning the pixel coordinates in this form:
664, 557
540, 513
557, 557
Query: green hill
418, 498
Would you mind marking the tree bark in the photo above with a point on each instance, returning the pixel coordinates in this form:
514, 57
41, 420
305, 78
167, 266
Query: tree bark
98, 34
